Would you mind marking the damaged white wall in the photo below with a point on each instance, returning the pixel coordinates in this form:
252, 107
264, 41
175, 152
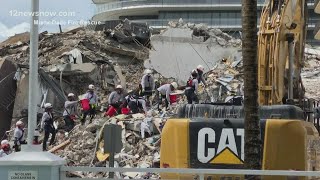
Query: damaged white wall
176, 52
21, 101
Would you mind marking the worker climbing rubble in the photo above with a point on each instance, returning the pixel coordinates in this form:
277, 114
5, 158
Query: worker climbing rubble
147, 85
116, 98
200, 71
192, 88
47, 126
5, 148
164, 92
19, 136
69, 113
93, 101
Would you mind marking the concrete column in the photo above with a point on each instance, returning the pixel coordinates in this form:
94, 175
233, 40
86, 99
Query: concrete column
31, 164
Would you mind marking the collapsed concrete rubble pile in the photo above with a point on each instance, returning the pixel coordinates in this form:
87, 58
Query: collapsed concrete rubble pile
218, 52
75, 46
225, 78
204, 33
311, 72
312, 56
128, 31
187, 45
108, 58
79, 52
84, 145
73, 60
223, 81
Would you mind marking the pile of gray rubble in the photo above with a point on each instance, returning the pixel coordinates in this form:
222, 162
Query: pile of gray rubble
72, 60
141, 137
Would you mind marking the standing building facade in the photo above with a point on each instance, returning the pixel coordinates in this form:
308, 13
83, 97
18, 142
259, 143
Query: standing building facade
223, 14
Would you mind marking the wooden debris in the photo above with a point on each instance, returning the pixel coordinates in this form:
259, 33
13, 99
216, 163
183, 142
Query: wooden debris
60, 146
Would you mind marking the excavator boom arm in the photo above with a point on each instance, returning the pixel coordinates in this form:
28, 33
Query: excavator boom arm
281, 41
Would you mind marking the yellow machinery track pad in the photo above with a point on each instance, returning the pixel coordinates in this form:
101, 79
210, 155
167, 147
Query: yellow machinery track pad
226, 157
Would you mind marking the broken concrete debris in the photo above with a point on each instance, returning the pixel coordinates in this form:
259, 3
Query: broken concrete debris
75, 47
74, 59
311, 72
187, 46
84, 145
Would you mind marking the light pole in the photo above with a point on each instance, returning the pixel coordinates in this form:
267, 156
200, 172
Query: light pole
33, 71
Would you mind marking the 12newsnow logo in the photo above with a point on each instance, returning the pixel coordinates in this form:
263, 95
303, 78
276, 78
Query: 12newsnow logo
223, 146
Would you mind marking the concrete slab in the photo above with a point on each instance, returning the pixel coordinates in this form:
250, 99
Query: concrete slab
8, 89
177, 59
121, 76
84, 67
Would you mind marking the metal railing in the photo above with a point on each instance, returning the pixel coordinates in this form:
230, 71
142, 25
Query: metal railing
200, 173
100, 8
111, 6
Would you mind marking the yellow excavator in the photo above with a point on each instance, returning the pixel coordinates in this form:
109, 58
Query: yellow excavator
212, 135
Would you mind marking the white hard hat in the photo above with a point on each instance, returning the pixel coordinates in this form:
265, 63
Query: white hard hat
19, 123
48, 105
70, 95
193, 71
200, 67
147, 71
119, 87
3, 142
91, 86
175, 85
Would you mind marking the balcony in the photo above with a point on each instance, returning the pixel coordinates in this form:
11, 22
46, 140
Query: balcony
114, 5
112, 10
103, 1
230, 24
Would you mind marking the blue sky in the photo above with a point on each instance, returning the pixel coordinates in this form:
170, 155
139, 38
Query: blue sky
12, 22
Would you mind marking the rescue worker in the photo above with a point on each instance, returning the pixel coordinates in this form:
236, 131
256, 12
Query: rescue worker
5, 148
69, 113
192, 88
47, 126
19, 136
147, 84
200, 78
135, 103
164, 92
93, 101
116, 98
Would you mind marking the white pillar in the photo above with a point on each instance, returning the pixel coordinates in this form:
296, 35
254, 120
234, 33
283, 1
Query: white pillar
33, 72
